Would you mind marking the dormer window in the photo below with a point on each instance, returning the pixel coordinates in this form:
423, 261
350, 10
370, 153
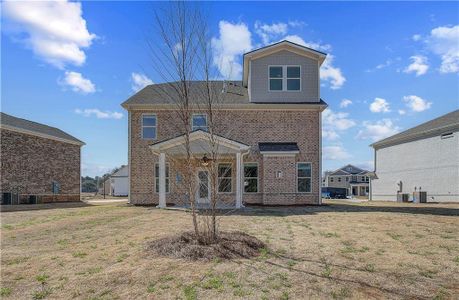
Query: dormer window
284, 78
199, 122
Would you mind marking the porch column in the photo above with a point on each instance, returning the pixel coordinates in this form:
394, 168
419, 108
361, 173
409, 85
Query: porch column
162, 180
238, 180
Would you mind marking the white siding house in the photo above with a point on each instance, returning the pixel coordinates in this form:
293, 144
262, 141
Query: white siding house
423, 158
119, 182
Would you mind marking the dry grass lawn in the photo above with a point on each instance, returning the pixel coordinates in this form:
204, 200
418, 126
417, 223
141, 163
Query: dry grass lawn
343, 250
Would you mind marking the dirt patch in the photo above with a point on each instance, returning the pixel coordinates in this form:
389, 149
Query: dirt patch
230, 245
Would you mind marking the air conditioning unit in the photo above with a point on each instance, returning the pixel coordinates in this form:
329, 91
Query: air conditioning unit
403, 197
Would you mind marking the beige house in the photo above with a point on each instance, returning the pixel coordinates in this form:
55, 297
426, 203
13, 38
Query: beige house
269, 134
355, 180
39, 163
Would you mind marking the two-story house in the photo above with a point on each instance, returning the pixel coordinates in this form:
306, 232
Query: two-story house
271, 133
355, 180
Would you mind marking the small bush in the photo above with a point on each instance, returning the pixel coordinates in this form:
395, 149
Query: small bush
190, 292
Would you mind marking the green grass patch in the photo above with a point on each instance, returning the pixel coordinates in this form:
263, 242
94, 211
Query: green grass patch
151, 288
5, 291
213, 283
190, 292
79, 254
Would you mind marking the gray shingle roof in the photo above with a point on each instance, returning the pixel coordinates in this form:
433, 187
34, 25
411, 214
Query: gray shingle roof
431, 128
278, 147
8, 121
225, 92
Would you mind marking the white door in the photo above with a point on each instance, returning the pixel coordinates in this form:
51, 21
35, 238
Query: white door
203, 192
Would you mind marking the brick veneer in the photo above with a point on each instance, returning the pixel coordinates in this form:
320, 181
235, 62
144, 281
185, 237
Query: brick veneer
29, 164
246, 126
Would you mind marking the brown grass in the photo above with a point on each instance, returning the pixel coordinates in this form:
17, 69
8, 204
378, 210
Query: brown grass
376, 250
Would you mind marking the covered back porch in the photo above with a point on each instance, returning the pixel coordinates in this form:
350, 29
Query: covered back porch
216, 175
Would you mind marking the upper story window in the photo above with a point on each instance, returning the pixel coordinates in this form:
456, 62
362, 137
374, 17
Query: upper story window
149, 127
284, 78
199, 121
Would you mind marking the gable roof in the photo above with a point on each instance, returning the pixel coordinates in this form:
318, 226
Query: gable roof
231, 94
37, 129
273, 48
440, 125
123, 171
349, 170
196, 136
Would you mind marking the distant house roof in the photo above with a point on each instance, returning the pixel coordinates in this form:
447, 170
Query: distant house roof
123, 171
278, 147
226, 94
440, 125
29, 127
349, 170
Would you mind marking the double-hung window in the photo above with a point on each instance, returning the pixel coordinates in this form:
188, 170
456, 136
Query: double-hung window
251, 178
199, 122
224, 178
149, 127
284, 78
304, 177
157, 178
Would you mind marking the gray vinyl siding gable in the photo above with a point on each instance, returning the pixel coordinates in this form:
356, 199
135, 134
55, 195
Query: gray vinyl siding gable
259, 78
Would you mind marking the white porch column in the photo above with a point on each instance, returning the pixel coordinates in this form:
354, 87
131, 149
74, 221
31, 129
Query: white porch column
162, 180
239, 184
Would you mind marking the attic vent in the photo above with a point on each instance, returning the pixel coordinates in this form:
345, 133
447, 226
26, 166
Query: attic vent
447, 135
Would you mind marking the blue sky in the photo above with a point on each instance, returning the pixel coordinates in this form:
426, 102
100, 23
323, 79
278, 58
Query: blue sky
391, 65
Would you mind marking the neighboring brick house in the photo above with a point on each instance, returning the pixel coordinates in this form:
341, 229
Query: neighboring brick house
356, 181
269, 131
422, 159
39, 163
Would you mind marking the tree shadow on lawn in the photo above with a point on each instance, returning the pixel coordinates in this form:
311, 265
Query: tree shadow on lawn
339, 207
29, 207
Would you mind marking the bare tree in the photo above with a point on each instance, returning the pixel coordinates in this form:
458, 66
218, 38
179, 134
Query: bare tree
183, 59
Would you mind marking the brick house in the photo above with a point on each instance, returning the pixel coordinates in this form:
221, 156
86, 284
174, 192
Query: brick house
39, 163
269, 134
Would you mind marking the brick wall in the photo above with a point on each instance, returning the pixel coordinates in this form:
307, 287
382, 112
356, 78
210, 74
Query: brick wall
32, 163
249, 127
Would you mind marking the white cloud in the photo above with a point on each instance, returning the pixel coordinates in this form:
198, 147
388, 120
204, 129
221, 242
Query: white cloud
55, 30
328, 72
78, 83
419, 65
345, 103
98, 113
379, 105
416, 37
333, 122
269, 32
377, 130
443, 41
335, 153
234, 40
401, 112
416, 103
139, 81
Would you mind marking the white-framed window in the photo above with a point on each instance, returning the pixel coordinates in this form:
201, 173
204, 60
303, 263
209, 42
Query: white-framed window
199, 121
304, 175
284, 78
331, 179
157, 178
339, 179
250, 178
149, 126
225, 179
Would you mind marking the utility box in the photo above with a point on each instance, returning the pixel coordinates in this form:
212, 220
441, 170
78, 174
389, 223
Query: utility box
402, 197
420, 197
